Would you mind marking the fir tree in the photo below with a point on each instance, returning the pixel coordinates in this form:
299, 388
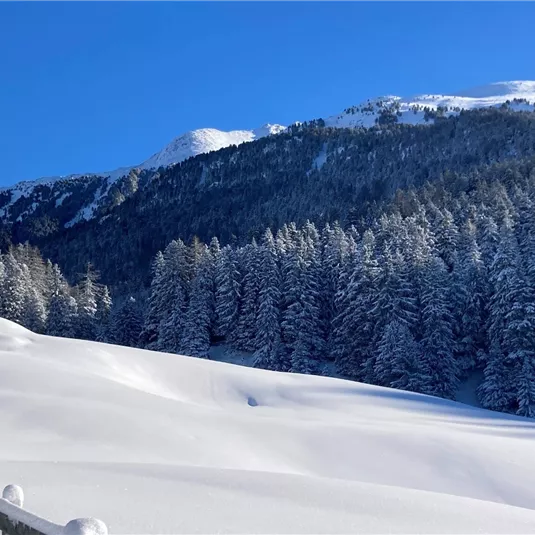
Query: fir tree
13, 291
227, 295
250, 289
87, 305
269, 353
62, 311
398, 362
438, 359
156, 309
126, 323
198, 323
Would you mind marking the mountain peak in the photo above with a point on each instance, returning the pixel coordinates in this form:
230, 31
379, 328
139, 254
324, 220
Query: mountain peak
205, 140
418, 109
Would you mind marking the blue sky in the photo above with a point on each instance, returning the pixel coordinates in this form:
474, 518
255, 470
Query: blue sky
93, 86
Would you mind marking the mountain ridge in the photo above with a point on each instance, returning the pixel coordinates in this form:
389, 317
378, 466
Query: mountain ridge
202, 140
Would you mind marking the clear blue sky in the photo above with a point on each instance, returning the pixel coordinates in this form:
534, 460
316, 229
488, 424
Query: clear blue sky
93, 86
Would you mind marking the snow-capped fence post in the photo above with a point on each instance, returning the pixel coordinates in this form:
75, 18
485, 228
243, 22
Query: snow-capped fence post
14, 520
85, 526
14, 494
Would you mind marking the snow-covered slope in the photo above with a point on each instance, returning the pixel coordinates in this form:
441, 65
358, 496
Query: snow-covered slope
158, 443
411, 110
205, 140
185, 146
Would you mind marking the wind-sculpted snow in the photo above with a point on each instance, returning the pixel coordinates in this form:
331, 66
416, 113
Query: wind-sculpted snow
158, 443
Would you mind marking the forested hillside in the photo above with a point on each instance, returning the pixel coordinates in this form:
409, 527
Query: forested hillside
309, 172
440, 284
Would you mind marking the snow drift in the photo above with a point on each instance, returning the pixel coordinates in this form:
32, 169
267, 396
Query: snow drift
157, 443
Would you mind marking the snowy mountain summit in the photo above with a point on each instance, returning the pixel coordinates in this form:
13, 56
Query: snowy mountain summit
518, 95
205, 140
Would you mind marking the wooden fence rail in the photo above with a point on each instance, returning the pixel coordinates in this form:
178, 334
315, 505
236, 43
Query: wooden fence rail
14, 520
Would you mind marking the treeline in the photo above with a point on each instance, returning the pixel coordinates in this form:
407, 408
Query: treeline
440, 285
36, 295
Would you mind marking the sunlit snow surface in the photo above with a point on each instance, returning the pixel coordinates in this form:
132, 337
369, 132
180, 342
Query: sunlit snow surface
157, 443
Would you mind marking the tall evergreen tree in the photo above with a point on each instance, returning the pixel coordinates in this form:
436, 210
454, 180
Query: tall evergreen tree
198, 323
227, 295
62, 311
398, 362
87, 304
13, 291
250, 289
157, 306
438, 359
126, 323
269, 353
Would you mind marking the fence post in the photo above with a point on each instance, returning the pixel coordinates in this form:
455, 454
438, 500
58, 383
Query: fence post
14, 494
85, 526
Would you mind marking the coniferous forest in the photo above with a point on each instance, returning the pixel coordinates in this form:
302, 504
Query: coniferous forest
418, 285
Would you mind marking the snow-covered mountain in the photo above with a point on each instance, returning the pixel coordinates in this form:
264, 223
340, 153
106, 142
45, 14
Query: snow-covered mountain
520, 95
157, 443
205, 140
182, 147
420, 109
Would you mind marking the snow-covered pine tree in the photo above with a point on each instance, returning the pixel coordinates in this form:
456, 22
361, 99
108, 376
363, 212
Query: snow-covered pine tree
395, 301
61, 320
292, 271
126, 323
156, 307
336, 251
488, 237
102, 317
354, 324
269, 354
174, 284
86, 294
309, 342
227, 295
438, 361
468, 295
526, 236
494, 391
13, 291
447, 236
398, 362
198, 323
525, 388
249, 260
35, 312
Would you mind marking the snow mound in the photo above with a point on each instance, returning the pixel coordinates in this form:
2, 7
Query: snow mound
157, 443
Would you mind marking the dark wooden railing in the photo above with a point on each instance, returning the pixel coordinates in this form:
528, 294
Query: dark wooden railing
14, 520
